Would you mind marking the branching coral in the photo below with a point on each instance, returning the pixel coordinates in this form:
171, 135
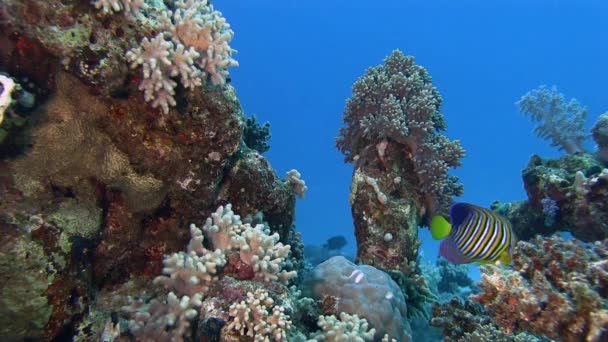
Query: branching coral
560, 122
265, 254
396, 103
262, 251
558, 289
153, 55
349, 328
130, 7
294, 178
190, 274
192, 46
224, 228
392, 134
259, 317
165, 321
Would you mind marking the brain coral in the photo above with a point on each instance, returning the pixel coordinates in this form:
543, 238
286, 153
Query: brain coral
365, 291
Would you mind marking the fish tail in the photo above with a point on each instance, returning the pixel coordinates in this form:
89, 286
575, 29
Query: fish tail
440, 227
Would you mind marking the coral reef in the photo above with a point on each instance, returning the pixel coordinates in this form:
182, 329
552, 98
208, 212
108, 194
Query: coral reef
452, 278
21, 262
566, 194
346, 328
393, 136
401, 159
600, 136
240, 251
98, 185
258, 317
45, 252
396, 104
193, 45
91, 152
253, 187
557, 288
465, 321
447, 282
560, 122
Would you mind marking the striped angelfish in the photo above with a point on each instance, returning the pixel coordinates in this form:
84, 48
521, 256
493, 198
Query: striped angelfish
475, 234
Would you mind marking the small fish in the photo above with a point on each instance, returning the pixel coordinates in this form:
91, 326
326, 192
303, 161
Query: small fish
475, 234
335, 243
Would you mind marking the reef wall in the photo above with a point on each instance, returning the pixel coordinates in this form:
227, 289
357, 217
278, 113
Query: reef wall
109, 154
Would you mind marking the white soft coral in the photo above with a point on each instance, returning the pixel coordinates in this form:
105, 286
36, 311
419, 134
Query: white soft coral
130, 7
197, 25
190, 273
265, 254
188, 276
160, 321
155, 56
224, 228
193, 46
259, 317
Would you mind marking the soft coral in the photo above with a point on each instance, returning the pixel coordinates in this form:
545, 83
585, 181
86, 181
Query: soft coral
562, 123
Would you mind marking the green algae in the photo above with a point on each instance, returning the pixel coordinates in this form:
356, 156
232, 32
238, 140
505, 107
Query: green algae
76, 219
24, 308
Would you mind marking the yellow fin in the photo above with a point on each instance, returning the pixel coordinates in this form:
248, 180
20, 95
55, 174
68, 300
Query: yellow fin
440, 227
486, 262
505, 258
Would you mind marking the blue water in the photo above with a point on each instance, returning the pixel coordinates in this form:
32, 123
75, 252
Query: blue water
298, 60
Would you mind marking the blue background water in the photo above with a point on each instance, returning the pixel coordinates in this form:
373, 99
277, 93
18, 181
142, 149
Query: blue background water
298, 60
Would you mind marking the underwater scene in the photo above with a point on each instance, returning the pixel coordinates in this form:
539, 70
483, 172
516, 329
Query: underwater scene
250, 171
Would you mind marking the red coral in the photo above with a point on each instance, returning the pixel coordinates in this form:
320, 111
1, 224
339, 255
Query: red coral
238, 269
116, 252
154, 256
555, 289
31, 59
